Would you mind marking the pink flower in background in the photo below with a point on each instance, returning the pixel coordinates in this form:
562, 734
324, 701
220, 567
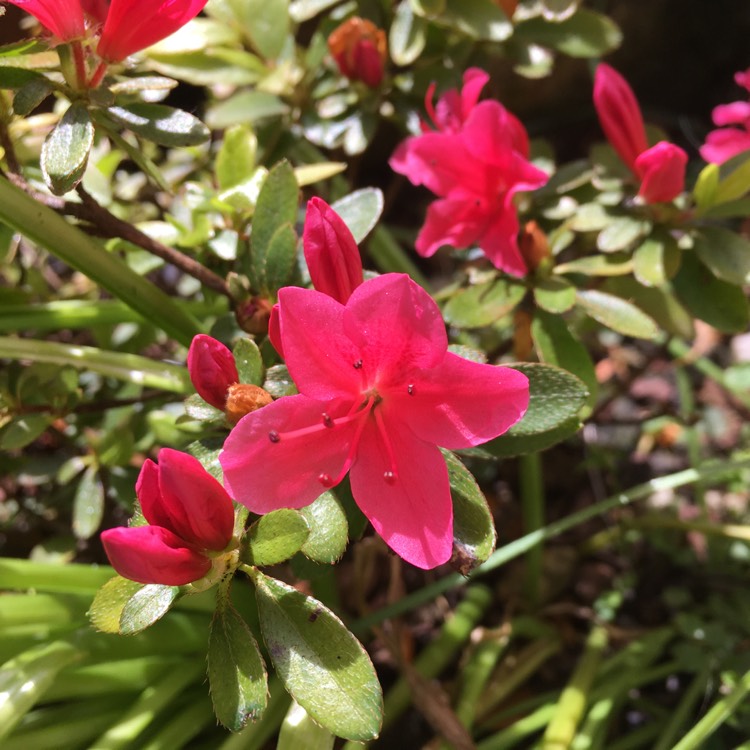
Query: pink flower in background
360, 50
475, 164
212, 369
661, 168
64, 18
378, 393
190, 516
454, 107
733, 134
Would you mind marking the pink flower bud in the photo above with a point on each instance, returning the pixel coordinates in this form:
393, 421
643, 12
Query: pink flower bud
212, 369
619, 114
359, 48
662, 172
331, 252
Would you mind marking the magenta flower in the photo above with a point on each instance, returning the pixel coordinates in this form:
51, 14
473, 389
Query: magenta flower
732, 137
212, 369
454, 107
661, 168
476, 166
190, 516
378, 393
64, 18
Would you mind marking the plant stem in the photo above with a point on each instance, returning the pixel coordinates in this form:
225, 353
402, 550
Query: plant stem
532, 506
683, 711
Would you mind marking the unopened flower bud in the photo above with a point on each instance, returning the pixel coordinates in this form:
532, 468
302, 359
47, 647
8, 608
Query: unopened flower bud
360, 50
212, 369
533, 245
253, 314
243, 398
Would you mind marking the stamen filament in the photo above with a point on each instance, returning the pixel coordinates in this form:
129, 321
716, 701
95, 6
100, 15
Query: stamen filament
325, 479
390, 475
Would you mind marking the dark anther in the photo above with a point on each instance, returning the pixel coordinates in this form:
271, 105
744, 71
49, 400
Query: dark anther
358, 364
410, 389
327, 421
274, 436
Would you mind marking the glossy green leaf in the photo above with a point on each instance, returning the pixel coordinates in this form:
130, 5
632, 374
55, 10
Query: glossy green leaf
25, 678
12, 77
309, 174
480, 19
322, 665
65, 152
657, 260
716, 302
265, 22
88, 504
734, 179
597, 265
276, 537
329, 530
235, 161
31, 95
555, 295
704, 192
276, 207
106, 609
584, 34
556, 345
249, 362
618, 314
164, 125
559, 10
621, 233
407, 35
236, 674
482, 304
281, 258
360, 211
23, 430
300, 732
724, 252
247, 107
474, 535
304, 10
147, 605
509, 445
207, 451
196, 408
589, 217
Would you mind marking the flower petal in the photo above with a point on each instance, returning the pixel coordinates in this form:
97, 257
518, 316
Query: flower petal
151, 554
264, 475
414, 513
64, 18
457, 222
723, 144
734, 113
492, 133
662, 172
460, 403
397, 327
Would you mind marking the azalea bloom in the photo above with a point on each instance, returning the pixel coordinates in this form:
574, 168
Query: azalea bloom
661, 168
64, 18
732, 137
191, 519
379, 392
475, 163
212, 369
359, 48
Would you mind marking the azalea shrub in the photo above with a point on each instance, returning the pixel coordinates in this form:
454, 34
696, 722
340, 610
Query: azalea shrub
299, 317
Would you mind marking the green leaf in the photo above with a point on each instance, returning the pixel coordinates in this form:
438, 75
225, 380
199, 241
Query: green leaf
247, 107
88, 504
657, 260
236, 674
276, 537
300, 732
555, 397
622, 232
597, 265
329, 530
65, 152
207, 452
166, 126
265, 22
281, 258
704, 192
482, 304
31, 95
555, 295
309, 174
196, 408
556, 345
559, 10
481, 19
585, 34
12, 77
724, 252
276, 206
716, 302
25, 679
360, 211
106, 609
147, 605
304, 10
734, 178
474, 535
509, 445
249, 362
322, 665
235, 161
407, 35
617, 314
23, 430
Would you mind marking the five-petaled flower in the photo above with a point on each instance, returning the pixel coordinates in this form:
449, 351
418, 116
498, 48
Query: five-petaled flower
476, 162
359, 48
661, 168
379, 392
732, 137
191, 520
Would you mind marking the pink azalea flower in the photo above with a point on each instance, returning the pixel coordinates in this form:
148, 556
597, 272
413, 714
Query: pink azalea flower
453, 108
212, 369
378, 393
360, 50
96, 9
64, 18
190, 516
660, 168
476, 172
133, 25
733, 134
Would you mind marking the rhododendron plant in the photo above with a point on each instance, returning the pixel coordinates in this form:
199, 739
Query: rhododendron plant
191, 519
212, 369
733, 133
379, 392
661, 168
476, 163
